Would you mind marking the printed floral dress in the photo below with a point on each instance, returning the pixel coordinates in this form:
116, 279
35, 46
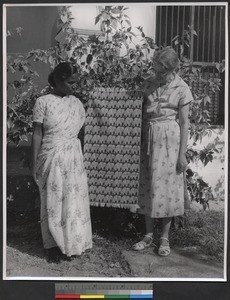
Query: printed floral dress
161, 187
65, 212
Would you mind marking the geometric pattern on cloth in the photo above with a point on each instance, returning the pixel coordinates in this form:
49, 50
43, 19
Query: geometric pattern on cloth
112, 147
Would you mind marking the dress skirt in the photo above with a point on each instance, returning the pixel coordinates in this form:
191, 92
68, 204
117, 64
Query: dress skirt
161, 187
65, 211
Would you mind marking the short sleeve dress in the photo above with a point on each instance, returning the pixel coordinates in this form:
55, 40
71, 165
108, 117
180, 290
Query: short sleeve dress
65, 213
161, 192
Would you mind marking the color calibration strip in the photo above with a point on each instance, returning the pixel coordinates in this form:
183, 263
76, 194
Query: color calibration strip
103, 291
106, 296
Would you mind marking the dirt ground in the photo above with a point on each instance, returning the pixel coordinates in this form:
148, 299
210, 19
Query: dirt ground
109, 257
25, 257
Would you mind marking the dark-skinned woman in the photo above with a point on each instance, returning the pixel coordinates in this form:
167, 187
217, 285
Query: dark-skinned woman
58, 167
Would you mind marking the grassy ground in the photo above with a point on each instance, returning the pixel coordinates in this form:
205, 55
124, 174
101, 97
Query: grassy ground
115, 230
201, 230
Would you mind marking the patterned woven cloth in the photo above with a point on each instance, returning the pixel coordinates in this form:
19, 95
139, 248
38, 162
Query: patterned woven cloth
112, 147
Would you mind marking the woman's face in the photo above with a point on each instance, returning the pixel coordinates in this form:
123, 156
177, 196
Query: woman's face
161, 71
66, 87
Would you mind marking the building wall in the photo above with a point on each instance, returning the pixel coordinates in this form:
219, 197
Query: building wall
39, 30
139, 15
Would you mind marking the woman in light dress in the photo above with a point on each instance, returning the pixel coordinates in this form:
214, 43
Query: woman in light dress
58, 168
163, 158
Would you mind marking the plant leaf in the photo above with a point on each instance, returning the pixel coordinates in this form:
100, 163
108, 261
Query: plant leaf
97, 19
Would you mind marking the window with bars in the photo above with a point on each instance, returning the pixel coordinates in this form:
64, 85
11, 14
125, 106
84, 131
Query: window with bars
206, 49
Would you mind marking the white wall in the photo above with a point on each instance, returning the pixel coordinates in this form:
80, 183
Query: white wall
214, 172
139, 14
145, 16
84, 16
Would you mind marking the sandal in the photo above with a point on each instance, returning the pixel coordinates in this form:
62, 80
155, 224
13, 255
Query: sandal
144, 243
164, 250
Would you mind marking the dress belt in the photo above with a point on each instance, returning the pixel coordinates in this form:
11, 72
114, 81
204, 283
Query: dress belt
157, 120
150, 123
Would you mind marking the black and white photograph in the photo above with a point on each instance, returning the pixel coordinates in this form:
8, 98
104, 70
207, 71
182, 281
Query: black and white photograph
115, 141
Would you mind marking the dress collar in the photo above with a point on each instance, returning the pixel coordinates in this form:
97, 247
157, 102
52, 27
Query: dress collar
177, 81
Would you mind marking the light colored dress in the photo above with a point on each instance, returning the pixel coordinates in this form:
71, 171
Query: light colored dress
65, 211
161, 187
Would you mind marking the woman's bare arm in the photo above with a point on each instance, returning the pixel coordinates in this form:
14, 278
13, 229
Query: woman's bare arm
36, 144
184, 127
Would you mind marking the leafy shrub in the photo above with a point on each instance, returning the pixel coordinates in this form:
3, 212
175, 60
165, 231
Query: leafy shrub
109, 59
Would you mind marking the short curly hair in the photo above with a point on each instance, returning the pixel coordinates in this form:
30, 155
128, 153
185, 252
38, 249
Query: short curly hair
167, 58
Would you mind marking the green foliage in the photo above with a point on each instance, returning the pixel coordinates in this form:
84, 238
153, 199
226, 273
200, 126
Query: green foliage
184, 40
198, 189
19, 108
205, 155
201, 89
200, 86
113, 57
99, 60
107, 59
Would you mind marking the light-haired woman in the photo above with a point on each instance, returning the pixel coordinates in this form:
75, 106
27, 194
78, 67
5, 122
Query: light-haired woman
163, 158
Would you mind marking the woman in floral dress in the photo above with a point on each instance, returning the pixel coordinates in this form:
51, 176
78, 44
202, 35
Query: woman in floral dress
58, 168
163, 160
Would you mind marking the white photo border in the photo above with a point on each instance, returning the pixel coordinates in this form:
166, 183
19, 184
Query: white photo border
133, 279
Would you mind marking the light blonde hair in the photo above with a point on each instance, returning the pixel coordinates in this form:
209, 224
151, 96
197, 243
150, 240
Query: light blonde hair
167, 58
